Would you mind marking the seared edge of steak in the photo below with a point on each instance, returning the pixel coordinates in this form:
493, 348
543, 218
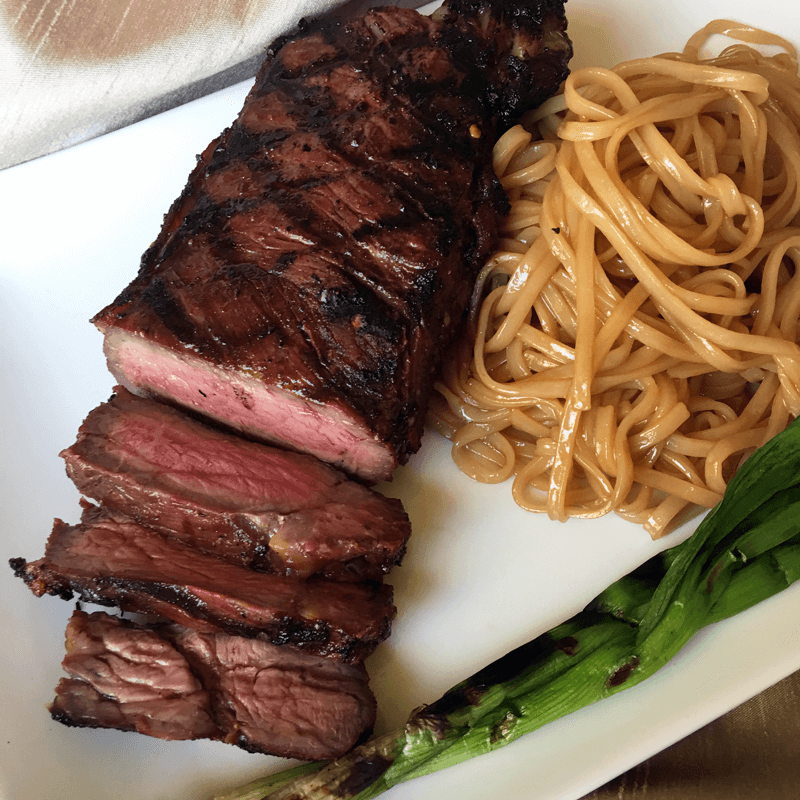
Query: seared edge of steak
171, 682
246, 502
111, 560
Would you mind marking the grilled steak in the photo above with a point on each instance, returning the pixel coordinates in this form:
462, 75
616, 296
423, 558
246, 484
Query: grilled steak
321, 256
245, 502
111, 560
173, 682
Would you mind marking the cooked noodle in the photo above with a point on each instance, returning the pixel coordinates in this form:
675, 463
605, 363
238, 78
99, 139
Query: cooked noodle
634, 337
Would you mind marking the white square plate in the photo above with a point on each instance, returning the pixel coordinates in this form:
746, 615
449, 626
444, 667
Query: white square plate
480, 577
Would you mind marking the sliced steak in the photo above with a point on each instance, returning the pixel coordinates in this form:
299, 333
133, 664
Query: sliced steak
173, 682
130, 678
111, 560
246, 502
306, 282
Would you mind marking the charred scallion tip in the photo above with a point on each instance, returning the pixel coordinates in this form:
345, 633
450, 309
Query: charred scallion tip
746, 550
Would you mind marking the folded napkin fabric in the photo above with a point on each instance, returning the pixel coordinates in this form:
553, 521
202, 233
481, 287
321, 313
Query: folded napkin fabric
74, 69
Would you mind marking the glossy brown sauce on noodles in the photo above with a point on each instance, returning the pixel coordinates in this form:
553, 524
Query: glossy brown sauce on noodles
635, 336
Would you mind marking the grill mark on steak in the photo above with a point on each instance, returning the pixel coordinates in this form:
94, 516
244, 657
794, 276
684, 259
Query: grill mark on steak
166, 307
111, 560
245, 502
260, 697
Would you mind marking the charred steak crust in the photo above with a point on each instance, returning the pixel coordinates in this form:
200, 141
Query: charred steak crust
531, 49
246, 692
324, 248
246, 502
111, 560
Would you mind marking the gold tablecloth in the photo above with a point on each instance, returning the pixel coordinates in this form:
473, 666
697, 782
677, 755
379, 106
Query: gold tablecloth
752, 753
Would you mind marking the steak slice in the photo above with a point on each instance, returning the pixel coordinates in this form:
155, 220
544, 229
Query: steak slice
111, 560
172, 682
306, 282
246, 502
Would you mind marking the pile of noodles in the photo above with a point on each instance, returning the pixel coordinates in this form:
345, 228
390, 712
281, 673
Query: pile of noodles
634, 337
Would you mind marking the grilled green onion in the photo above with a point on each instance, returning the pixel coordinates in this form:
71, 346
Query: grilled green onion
746, 550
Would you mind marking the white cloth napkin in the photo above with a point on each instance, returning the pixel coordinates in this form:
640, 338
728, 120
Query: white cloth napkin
74, 69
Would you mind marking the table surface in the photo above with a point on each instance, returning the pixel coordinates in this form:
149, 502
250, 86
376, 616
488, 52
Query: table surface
751, 752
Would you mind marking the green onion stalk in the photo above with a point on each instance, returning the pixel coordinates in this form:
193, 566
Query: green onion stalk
744, 551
